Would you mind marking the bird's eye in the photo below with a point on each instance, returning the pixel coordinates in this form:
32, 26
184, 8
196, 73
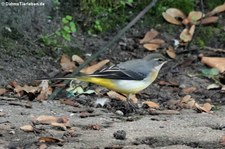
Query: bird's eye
160, 59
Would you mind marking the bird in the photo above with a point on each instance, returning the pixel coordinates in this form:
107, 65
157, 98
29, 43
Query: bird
129, 77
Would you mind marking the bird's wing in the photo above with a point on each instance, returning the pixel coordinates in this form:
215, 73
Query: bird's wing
118, 73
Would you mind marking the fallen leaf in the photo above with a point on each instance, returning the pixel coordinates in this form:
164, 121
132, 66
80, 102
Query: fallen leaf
215, 62
170, 52
46, 90
194, 16
157, 41
77, 59
209, 20
149, 36
213, 86
216, 10
151, 47
46, 119
207, 106
187, 34
27, 128
61, 126
189, 90
133, 99
186, 102
49, 140
169, 83
2, 91
115, 95
151, 104
66, 64
174, 16
43, 146
69, 102
2, 114
93, 68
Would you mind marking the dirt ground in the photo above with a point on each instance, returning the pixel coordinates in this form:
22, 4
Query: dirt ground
114, 125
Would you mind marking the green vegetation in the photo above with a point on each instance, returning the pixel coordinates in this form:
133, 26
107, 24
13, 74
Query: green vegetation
211, 4
204, 35
62, 35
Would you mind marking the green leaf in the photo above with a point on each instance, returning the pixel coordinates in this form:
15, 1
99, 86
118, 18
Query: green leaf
67, 29
89, 92
73, 27
68, 17
210, 72
58, 33
64, 20
67, 37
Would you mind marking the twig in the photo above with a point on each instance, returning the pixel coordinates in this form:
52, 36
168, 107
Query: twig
107, 46
215, 49
8, 98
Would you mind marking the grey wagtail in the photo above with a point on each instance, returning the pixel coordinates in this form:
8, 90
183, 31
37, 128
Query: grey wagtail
128, 77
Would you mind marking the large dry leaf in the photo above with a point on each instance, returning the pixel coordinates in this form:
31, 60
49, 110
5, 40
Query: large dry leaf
208, 20
171, 19
2, 91
151, 104
216, 10
187, 34
46, 90
205, 108
174, 16
49, 140
46, 119
27, 128
194, 16
157, 41
66, 64
28, 89
93, 68
149, 36
77, 59
176, 13
170, 52
151, 47
115, 95
215, 62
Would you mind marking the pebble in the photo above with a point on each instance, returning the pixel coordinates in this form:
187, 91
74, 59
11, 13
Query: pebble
119, 112
120, 135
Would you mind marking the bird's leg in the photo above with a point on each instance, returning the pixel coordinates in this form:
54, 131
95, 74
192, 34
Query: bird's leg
130, 104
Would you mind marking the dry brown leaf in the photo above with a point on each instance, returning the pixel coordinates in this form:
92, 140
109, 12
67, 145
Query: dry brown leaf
187, 34
93, 68
2, 91
157, 41
2, 114
176, 13
115, 95
216, 10
46, 119
66, 64
49, 140
149, 36
59, 125
215, 62
194, 16
46, 90
187, 102
77, 59
208, 20
171, 19
27, 128
170, 52
151, 47
189, 90
172, 15
207, 106
151, 104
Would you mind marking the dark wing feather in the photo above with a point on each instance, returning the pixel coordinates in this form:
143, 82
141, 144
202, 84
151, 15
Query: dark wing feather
117, 73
